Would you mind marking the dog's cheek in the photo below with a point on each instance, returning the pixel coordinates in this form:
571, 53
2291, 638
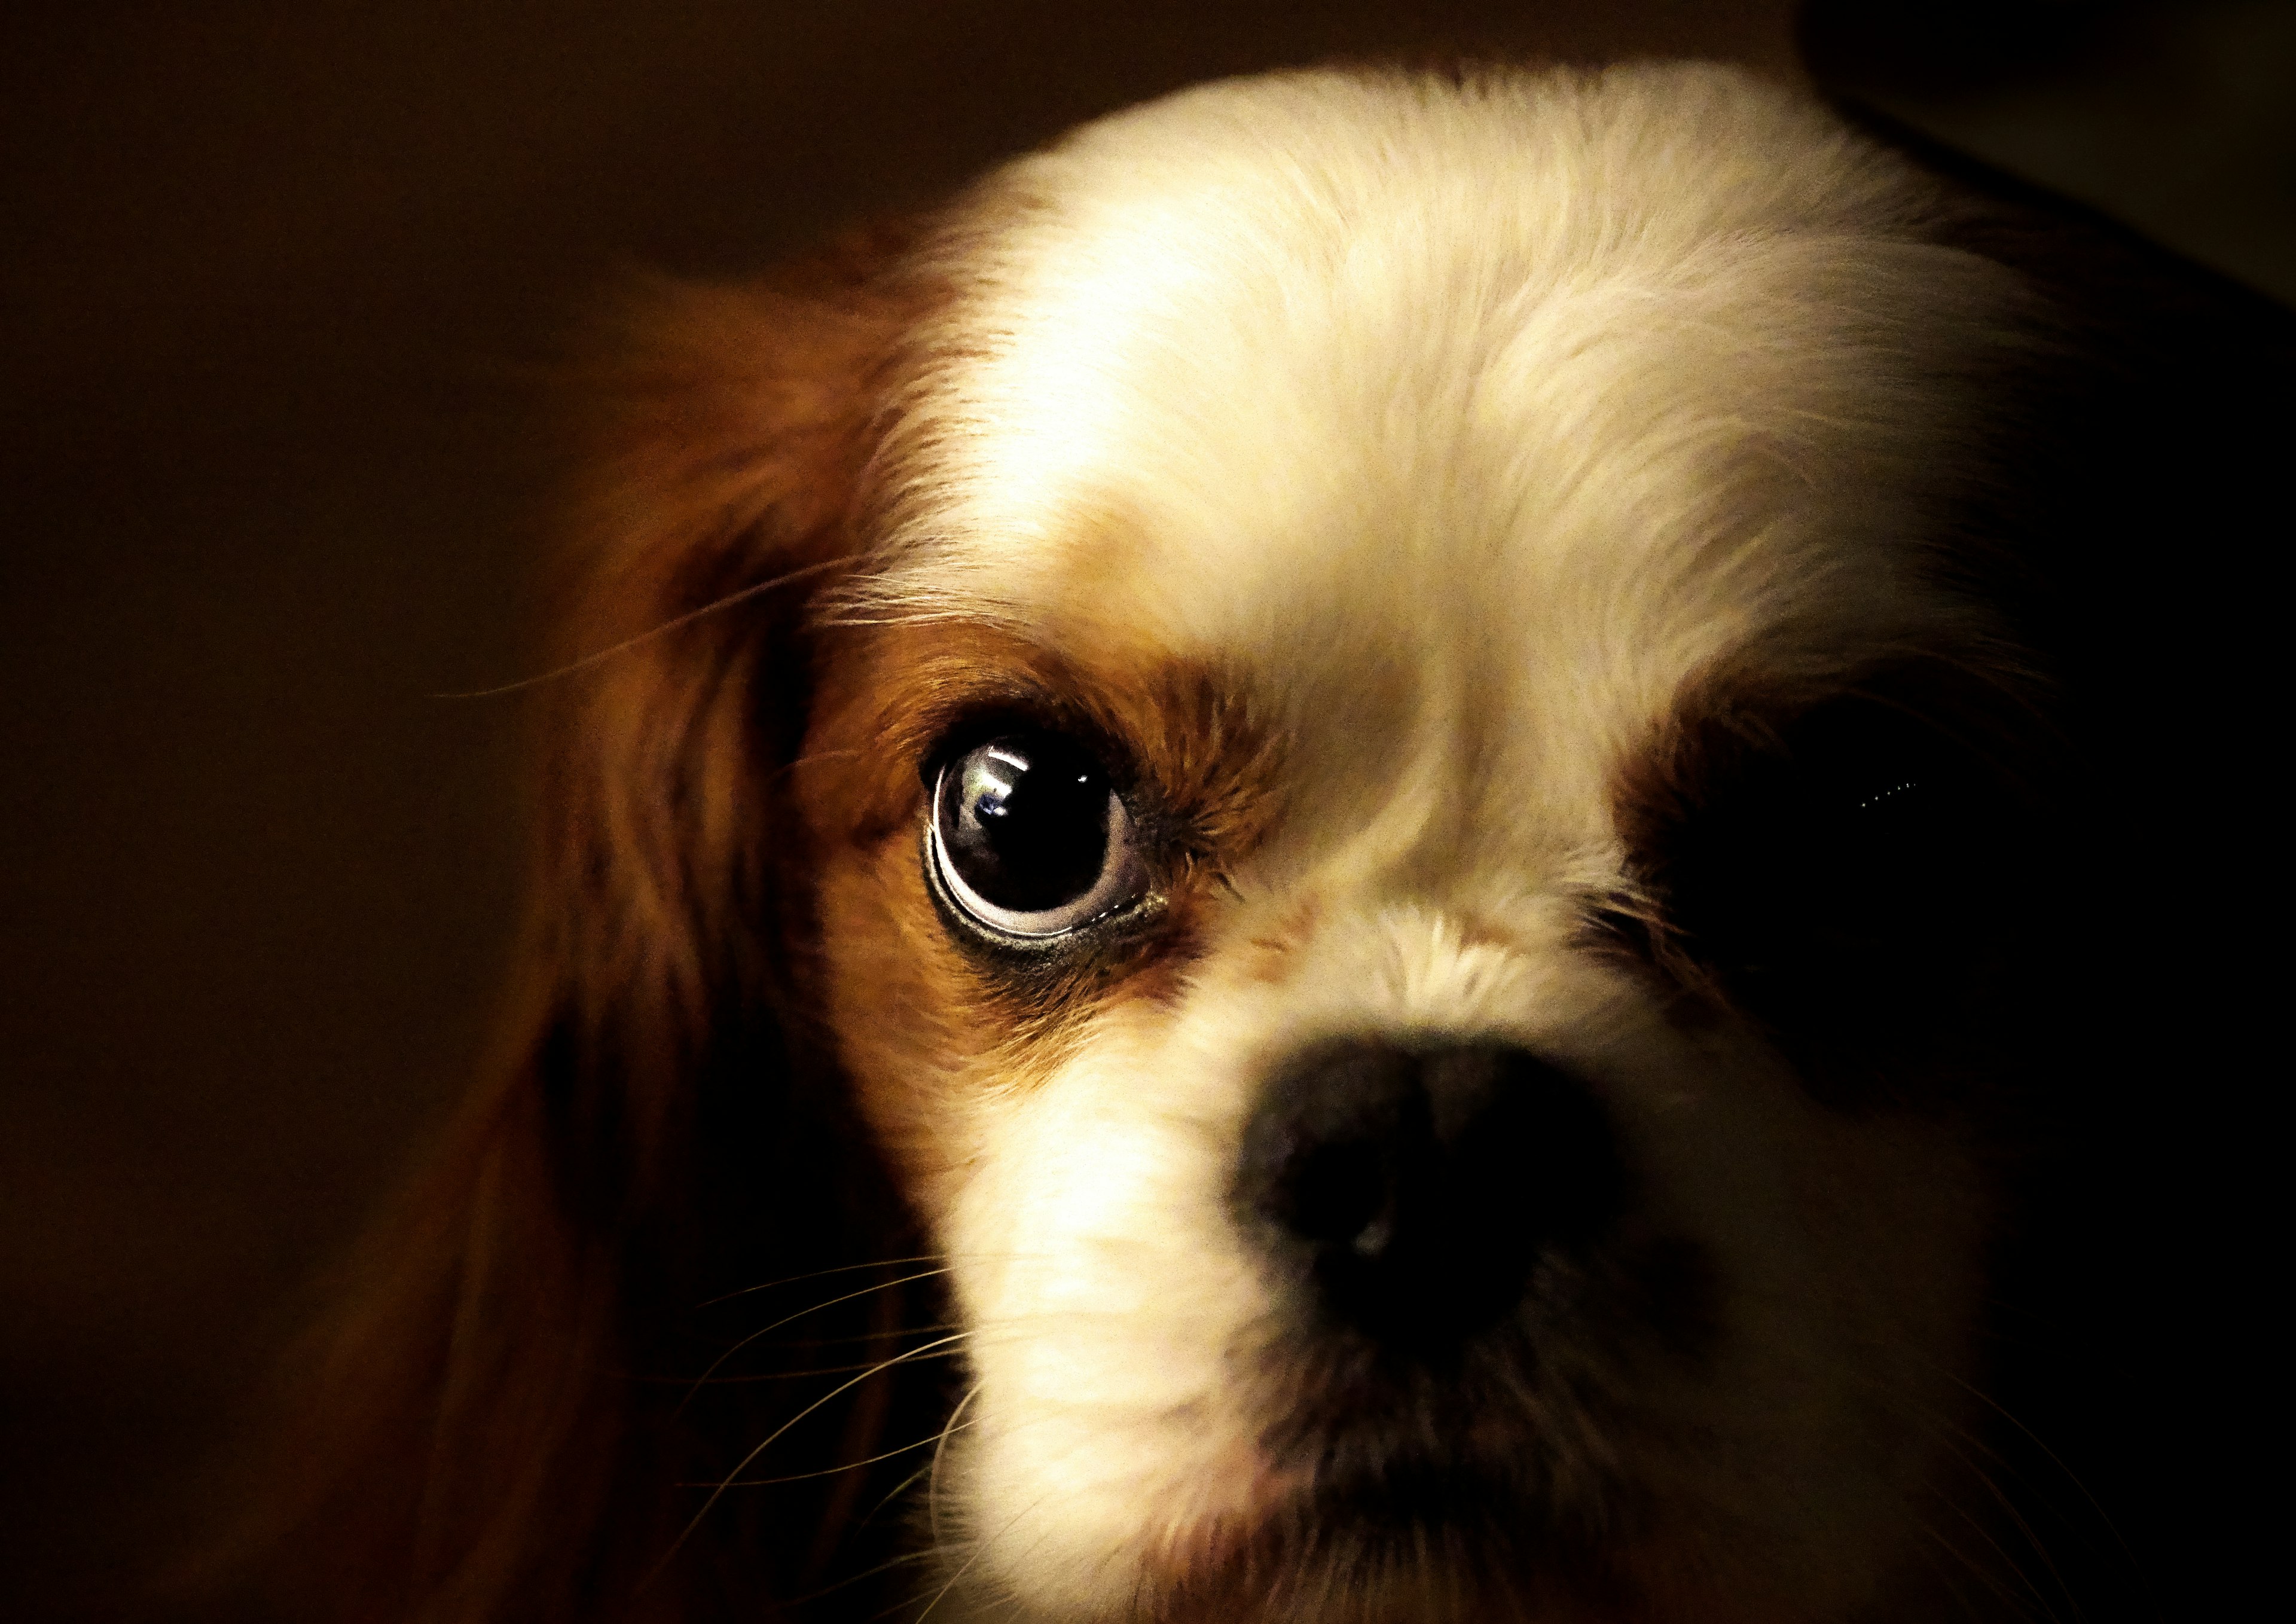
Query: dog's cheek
898, 1012
1105, 1290
1850, 1253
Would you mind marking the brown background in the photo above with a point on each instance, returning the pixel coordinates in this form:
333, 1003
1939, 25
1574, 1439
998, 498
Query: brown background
275, 280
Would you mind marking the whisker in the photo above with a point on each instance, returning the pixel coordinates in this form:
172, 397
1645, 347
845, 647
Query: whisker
791, 768
2039, 1497
773, 1437
700, 1381
906, 1559
1973, 1570
2054, 1459
945, 1260
808, 1344
599, 657
932, 1485
1943, 1574
1953, 1437
898, 1489
826, 1472
979, 1549
1979, 1460
820, 1273
2015, 1568
955, 1579
794, 1375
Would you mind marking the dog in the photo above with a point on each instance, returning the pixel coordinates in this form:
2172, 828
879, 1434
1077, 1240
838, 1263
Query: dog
1354, 856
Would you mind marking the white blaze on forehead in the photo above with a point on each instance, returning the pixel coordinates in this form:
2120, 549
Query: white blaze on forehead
1233, 357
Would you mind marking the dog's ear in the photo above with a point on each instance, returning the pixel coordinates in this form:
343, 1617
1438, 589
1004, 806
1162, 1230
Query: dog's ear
2144, 441
494, 1425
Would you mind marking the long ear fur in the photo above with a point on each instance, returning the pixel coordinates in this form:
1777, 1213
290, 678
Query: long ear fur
2147, 443
495, 1425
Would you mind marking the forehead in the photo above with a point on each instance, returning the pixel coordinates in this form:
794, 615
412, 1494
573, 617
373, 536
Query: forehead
1554, 390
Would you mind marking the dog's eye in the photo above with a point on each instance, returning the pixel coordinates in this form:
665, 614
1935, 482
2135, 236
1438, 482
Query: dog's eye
1028, 837
1858, 872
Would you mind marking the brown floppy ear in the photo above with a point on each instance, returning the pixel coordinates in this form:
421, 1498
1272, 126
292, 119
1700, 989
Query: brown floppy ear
2144, 448
502, 1423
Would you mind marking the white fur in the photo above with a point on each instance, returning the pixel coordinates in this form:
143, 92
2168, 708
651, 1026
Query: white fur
1463, 427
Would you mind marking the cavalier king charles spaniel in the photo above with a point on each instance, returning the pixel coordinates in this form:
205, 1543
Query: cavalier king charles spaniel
1382, 848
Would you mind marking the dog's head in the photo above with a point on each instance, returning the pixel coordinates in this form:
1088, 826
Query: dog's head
1377, 752
1416, 740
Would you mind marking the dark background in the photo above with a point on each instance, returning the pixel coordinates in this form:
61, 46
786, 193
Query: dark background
277, 281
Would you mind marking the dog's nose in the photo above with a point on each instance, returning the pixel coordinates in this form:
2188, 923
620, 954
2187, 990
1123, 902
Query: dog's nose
1413, 1186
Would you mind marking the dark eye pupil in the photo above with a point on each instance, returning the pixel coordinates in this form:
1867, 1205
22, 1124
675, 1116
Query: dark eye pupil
1025, 822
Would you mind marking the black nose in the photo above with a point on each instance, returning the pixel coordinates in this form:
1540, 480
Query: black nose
1415, 1187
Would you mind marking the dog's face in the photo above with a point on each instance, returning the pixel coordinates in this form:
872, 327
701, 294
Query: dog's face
1478, 798
1402, 764
1407, 805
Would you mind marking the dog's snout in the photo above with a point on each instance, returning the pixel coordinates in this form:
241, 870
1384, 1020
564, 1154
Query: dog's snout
1415, 1187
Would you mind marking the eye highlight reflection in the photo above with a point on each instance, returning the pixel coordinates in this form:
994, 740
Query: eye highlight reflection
1030, 838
